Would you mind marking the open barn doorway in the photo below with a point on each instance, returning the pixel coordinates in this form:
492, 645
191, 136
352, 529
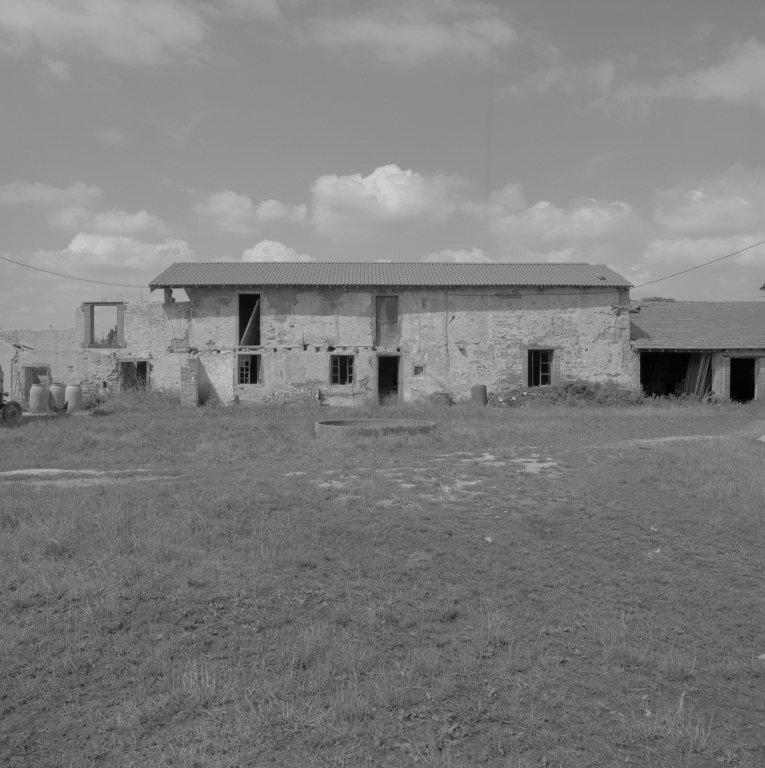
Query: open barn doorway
663, 373
387, 377
742, 381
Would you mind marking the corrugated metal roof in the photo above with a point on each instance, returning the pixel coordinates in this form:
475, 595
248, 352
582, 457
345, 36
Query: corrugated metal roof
698, 325
385, 274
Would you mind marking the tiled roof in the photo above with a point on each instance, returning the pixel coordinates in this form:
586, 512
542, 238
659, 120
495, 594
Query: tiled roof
385, 274
698, 325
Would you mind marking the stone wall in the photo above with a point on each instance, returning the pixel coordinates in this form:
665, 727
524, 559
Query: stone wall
462, 338
154, 332
458, 338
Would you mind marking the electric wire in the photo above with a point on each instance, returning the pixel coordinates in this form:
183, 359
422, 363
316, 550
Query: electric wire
69, 277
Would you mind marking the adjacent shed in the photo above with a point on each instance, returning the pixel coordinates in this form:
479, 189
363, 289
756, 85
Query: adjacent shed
698, 347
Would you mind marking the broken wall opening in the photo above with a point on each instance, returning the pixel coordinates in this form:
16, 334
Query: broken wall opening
742, 379
36, 374
134, 375
249, 320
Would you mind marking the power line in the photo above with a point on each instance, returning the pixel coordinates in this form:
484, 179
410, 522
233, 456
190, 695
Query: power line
699, 266
68, 277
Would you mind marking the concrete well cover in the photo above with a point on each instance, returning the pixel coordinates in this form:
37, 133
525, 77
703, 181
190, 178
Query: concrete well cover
372, 426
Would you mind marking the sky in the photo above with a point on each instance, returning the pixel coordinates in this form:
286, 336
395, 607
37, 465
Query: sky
136, 133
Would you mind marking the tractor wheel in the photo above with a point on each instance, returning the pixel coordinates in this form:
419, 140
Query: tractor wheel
11, 414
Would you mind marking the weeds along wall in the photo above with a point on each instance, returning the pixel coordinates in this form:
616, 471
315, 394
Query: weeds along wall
149, 331
454, 338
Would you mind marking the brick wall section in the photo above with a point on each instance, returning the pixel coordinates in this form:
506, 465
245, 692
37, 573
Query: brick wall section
87, 312
189, 381
120, 325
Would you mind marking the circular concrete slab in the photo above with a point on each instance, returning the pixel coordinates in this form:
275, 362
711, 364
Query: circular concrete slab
373, 426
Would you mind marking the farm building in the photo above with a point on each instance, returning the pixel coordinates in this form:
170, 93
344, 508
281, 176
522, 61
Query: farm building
698, 347
344, 332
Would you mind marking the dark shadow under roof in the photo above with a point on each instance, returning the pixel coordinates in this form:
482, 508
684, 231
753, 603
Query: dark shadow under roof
698, 325
198, 274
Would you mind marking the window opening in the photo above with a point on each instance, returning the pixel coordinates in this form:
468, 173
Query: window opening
249, 320
104, 325
540, 367
386, 321
250, 369
418, 370
134, 375
342, 369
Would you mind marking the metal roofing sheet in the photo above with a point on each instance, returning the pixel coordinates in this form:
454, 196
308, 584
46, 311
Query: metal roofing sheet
385, 274
698, 325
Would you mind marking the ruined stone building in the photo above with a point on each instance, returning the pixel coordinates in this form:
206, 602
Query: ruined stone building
346, 331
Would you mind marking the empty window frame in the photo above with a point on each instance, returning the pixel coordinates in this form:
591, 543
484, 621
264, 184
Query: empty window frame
249, 369
540, 367
418, 370
341, 368
249, 320
104, 324
386, 321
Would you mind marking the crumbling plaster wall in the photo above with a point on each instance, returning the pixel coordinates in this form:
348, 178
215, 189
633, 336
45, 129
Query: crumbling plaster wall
462, 338
151, 331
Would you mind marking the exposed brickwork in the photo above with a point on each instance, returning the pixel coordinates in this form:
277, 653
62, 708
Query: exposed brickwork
190, 381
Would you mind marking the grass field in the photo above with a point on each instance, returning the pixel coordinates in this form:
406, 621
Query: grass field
535, 586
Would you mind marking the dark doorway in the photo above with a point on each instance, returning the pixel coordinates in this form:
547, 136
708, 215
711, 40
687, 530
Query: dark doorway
663, 373
742, 379
387, 377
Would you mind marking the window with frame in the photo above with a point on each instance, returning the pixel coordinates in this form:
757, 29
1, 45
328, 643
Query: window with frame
341, 367
250, 369
104, 324
540, 367
386, 321
418, 370
249, 320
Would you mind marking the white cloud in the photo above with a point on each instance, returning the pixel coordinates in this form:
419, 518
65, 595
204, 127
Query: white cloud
728, 205
474, 256
271, 250
409, 32
738, 80
674, 254
76, 193
263, 9
125, 31
111, 222
273, 210
237, 214
229, 211
346, 206
103, 257
110, 136
551, 232
57, 70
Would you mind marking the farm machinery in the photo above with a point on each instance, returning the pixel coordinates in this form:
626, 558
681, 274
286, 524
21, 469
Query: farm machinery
10, 410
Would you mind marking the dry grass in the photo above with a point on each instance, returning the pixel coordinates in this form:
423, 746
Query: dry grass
275, 599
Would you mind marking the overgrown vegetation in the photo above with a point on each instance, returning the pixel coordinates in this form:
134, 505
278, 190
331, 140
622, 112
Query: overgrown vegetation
542, 586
